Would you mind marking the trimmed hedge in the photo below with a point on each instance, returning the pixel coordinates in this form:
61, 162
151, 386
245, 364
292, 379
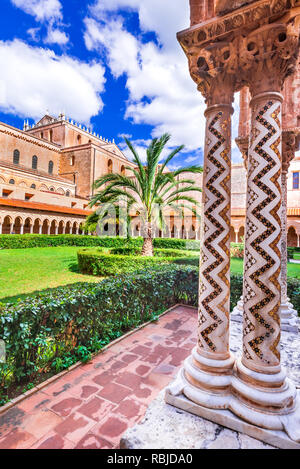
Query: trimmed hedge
34, 241
54, 330
119, 261
51, 331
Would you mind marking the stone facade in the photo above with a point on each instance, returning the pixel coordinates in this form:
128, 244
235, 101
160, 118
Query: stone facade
47, 173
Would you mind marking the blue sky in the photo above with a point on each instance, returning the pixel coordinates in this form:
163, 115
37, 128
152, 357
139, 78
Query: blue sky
113, 65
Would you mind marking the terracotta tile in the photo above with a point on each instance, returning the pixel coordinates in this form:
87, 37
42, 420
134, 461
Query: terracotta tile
128, 358
65, 406
91, 441
95, 403
131, 409
17, 439
11, 420
164, 369
142, 370
104, 378
53, 441
114, 392
84, 391
112, 428
141, 350
96, 408
74, 427
128, 379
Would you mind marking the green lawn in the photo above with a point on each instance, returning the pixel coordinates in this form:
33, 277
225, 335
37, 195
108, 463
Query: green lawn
237, 268
24, 271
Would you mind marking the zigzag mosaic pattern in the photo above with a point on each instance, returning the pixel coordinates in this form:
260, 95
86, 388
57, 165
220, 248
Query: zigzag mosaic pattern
263, 231
215, 257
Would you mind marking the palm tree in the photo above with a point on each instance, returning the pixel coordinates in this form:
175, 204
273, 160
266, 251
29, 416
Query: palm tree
151, 188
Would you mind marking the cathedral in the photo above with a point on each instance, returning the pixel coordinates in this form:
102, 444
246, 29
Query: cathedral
47, 173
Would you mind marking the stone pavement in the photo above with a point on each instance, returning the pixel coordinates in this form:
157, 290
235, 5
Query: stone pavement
93, 405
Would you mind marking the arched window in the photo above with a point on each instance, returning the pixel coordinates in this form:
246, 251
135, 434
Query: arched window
33, 186
34, 162
123, 170
11, 181
51, 189
51, 135
110, 166
68, 194
50, 167
16, 158
72, 160
79, 139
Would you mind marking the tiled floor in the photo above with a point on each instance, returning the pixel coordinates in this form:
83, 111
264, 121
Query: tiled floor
93, 405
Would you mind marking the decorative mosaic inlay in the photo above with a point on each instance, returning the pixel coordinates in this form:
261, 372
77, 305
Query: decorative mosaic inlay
263, 231
215, 256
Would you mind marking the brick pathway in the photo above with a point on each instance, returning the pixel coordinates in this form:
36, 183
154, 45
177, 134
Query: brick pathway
92, 406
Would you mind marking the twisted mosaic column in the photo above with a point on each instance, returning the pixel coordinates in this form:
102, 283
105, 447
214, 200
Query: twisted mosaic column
265, 397
206, 377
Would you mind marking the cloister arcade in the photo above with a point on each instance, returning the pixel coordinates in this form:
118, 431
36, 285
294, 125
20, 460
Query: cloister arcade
13, 223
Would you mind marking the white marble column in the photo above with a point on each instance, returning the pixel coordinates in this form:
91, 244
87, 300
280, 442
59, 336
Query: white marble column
206, 377
0, 228
21, 229
263, 395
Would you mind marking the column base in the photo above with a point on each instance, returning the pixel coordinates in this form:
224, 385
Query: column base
243, 406
228, 419
208, 381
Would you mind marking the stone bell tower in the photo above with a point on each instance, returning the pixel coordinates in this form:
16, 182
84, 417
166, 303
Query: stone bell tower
231, 45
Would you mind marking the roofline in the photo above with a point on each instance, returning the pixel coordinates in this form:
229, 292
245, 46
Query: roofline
43, 207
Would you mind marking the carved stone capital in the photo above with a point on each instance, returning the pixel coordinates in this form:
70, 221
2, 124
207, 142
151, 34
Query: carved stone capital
259, 40
268, 56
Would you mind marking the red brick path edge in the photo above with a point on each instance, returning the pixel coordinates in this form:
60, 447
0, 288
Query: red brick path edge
91, 405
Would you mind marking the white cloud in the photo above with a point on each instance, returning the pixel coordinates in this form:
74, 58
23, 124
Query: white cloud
161, 91
55, 36
45, 11
35, 79
42, 10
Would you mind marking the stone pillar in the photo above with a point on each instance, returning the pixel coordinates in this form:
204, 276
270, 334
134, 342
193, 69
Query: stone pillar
48, 228
298, 240
40, 228
56, 229
236, 236
31, 228
206, 377
0, 228
264, 397
287, 313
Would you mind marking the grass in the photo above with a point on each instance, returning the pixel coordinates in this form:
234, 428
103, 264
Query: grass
237, 268
26, 271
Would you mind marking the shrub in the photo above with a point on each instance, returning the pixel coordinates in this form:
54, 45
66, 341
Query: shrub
53, 330
117, 261
34, 240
